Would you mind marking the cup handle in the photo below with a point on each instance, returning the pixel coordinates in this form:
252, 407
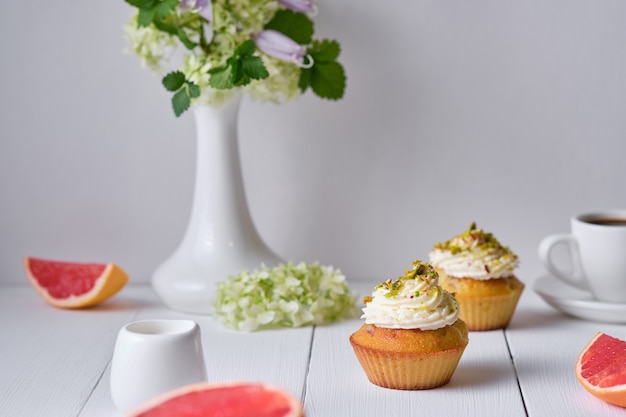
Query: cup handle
576, 276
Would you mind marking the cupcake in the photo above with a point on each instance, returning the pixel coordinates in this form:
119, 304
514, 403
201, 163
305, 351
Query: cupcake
479, 271
412, 338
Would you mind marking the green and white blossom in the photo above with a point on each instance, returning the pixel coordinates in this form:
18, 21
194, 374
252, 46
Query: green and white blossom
150, 44
287, 295
211, 45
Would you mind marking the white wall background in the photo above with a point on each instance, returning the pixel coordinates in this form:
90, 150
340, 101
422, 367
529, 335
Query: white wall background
509, 113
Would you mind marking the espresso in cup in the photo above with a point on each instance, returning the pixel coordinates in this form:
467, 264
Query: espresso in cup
607, 222
597, 245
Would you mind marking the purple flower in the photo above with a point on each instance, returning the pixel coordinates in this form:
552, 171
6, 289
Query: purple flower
280, 46
302, 6
204, 7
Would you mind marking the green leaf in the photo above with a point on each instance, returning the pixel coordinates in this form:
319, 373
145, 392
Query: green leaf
173, 30
238, 77
328, 80
174, 80
304, 81
221, 77
245, 49
296, 26
325, 51
240, 69
145, 17
194, 90
164, 27
141, 4
189, 44
165, 8
180, 102
327, 77
254, 68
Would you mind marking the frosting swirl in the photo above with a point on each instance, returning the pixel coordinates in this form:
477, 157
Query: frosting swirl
413, 301
474, 254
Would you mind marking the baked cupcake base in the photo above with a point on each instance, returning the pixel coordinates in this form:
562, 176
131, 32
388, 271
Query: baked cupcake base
485, 305
410, 359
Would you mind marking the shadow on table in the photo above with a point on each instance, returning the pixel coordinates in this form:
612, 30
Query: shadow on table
525, 319
472, 375
124, 303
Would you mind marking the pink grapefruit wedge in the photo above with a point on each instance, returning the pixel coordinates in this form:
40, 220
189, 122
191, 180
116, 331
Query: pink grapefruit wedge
601, 368
74, 285
232, 399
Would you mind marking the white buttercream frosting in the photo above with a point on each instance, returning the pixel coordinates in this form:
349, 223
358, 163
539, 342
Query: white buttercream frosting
414, 301
474, 254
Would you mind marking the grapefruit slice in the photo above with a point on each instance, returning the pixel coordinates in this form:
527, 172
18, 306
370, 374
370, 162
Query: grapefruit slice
231, 399
601, 368
74, 285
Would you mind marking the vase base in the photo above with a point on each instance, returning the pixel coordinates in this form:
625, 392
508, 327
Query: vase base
189, 284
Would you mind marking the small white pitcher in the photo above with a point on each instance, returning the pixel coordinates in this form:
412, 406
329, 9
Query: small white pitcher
152, 357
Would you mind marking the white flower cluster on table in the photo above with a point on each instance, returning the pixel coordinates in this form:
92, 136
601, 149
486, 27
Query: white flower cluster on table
287, 295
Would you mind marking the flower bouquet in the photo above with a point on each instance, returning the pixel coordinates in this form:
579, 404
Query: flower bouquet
265, 47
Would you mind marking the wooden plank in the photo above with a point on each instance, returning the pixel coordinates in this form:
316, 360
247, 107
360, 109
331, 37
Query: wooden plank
55, 362
545, 345
275, 356
50, 359
484, 383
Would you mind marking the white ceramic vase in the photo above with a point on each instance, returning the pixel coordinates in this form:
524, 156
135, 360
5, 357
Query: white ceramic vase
220, 239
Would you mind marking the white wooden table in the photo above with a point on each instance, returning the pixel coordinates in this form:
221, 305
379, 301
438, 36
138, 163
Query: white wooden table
56, 362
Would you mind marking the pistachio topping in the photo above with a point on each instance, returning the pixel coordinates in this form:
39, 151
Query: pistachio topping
471, 238
419, 271
474, 254
411, 301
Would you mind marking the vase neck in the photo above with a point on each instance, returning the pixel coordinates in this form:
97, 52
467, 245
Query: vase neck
219, 197
206, 116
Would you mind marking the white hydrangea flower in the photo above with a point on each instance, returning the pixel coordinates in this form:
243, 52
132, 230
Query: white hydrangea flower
231, 23
287, 295
282, 84
149, 44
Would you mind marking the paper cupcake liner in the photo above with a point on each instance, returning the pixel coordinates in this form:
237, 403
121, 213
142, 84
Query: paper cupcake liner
405, 371
488, 313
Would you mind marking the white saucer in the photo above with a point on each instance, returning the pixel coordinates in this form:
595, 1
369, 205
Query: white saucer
578, 303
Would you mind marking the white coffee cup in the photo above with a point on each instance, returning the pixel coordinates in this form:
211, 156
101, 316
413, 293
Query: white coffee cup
152, 357
597, 246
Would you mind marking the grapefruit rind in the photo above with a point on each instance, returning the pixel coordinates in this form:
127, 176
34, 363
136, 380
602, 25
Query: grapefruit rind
111, 281
615, 395
158, 406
